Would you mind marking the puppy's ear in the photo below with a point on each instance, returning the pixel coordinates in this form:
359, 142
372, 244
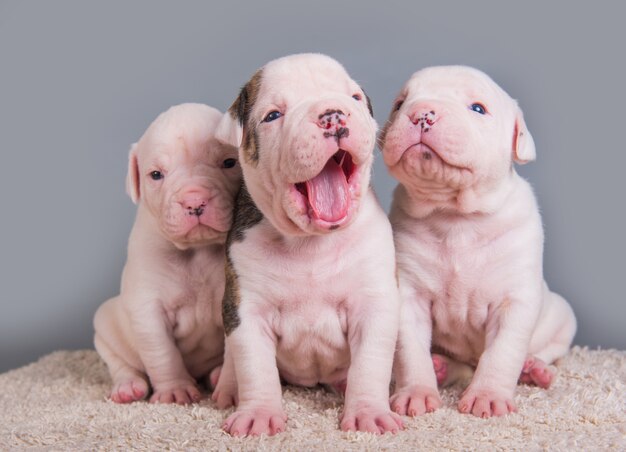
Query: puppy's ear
230, 128
132, 178
523, 143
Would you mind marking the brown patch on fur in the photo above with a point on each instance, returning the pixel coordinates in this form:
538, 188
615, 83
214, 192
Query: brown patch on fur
241, 109
231, 300
245, 215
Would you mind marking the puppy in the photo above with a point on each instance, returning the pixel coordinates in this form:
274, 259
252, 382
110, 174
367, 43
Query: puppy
469, 244
165, 327
311, 294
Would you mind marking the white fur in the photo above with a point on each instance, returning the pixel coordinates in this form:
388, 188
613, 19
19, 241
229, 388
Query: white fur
165, 327
469, 242
317, 305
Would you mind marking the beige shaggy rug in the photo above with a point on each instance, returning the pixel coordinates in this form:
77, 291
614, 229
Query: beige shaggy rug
59, 403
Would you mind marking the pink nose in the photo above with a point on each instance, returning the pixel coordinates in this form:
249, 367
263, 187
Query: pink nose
194, 204
425, 116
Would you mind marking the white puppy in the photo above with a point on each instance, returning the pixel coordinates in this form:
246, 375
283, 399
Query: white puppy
311, 294
469, 244
166, 325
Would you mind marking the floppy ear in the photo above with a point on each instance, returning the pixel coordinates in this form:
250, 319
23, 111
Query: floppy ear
230, 128
132, 178
523, 143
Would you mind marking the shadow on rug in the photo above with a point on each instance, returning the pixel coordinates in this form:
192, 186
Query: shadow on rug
59, 402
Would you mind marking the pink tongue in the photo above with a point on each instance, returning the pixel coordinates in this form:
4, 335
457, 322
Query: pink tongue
329, 194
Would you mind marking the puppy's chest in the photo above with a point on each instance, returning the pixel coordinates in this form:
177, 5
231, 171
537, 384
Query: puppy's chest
193, 306
458, 273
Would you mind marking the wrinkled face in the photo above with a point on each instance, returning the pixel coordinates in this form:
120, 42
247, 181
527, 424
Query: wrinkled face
185, 178
307, 138
453, 127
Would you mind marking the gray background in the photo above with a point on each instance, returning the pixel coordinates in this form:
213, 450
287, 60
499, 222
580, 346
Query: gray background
80, 81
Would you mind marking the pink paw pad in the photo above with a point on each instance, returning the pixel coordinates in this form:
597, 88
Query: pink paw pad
536, 372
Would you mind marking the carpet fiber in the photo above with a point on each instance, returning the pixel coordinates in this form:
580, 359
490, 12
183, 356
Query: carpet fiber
59, 403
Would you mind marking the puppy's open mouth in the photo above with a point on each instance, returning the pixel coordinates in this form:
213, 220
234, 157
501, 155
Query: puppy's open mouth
328, 193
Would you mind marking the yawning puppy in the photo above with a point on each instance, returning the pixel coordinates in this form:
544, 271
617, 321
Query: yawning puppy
165, 328
311, 294
469, 244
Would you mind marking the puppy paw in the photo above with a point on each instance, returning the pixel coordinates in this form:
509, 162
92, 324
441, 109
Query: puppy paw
536, 372
182, 393
440, 364
415, 400
485, 403
371, 419
214, 377
255, 422
129, 390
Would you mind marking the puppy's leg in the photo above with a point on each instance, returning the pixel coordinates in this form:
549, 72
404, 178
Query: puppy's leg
551, 340
225, 384
129, 381
259, 409
509, 328
161, 357
416, 382
372, 334
129, 384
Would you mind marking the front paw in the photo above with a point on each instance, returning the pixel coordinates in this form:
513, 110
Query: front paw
182, 393
415, 400
485, 403
255, 422
372, 419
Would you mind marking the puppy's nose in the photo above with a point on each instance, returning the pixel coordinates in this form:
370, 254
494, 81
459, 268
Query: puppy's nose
194, 205
333, 122
424, 117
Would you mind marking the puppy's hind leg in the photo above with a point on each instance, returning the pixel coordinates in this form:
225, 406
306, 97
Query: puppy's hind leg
129, 384
551, 340
450, 371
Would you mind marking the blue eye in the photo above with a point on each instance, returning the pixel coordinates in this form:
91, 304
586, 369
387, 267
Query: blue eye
156, 175
357, 97
229, 163
478, 108
272, 115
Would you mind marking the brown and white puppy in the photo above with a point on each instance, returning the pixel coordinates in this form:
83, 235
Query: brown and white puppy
469, 244
311, 294
165, 327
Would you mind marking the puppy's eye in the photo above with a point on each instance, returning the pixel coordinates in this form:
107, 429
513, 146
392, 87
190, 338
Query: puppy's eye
272, 116
156, 175
398, 105
357, 96
229, 163
478, 108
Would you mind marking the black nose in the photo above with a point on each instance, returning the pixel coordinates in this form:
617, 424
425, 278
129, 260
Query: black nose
331, 119
333, 122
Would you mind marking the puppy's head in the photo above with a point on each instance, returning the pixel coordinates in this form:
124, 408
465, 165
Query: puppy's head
306, 134
453, 127
184, 177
